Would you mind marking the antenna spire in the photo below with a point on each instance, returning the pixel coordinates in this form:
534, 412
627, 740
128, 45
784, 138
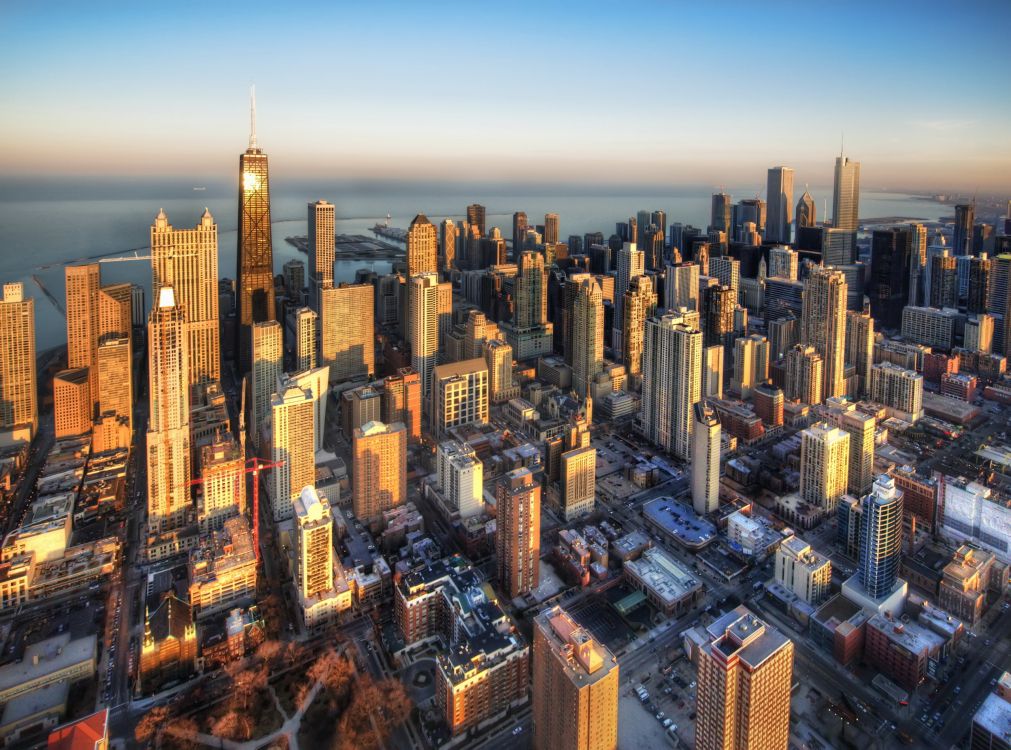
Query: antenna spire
252, 116
842, 143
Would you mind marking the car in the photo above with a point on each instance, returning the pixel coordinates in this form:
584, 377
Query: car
667, 723
517, 730
661, 716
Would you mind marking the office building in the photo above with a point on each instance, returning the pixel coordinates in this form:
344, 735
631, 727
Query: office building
860, 427
187, 261
745, 678
803, 571
846, 194
18, 390
631, 263
718, 304
671, 383
823, 325
860, 346
705, 460
807, 214
751, 363
980, 270
518, 532
460, 477
222, 491
727, 271
402, 401
931, 326
768, 402
293, 278
520, 227
531, 291
783, 263
804, 379
713, 358
72, 407
780, 209
448, 238
587, 335
824, 465
422, 247
551, 234
254, 254
82, 283
459, 395
379, 477
498, 357
348, 331
899, 389
575, 686
721, 217
962, 231
476, 218
991, 724
979, 333
306, 334
115, 383
168, 436
314, 555
891, 255
423, 331
880, 538
639, 304
267, 365
943, 281
681, 287
321, 250
292, 422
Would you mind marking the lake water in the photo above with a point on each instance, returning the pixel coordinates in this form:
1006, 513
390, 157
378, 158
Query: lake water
45, 224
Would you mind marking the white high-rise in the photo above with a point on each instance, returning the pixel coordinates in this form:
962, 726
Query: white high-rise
846, 195
306, 333
671, 383
424, 327
824, 465
292, 447
779, 215
705, 460
460, 475
268, 363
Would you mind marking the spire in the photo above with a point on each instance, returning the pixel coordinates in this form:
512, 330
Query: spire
252, 116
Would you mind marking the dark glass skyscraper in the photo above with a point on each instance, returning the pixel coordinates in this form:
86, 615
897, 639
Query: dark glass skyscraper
880, 537
889, 289
961, 233
255, 259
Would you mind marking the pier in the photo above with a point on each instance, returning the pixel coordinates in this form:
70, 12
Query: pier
354, 247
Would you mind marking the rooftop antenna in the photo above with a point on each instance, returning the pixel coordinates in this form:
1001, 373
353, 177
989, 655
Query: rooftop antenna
842, 143
252, 116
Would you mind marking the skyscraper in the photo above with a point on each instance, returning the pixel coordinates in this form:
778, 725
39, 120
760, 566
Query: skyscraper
804, 375
519, 232
880, 538
824, 465
943, 281
846, 194
379, 470
306, 333
751, 363
705, 459
889, 284
587, 335
720, 220
980, 269
575, 686
292, 446
744, 684
223, 486
860, 346
550, 229
115, 381
348, 331
475, 217
780, 210
422, 247
423, 333
187, 261
459, 395
917, 262
314, 561
72, 407
823, 324
18, 395
718, 303
447, 244
518, 532
807, 213
402, 401
498, 358
631, 263
168, 436
531, 290
254, 255
639, 305
671, 383
321, 249
460, 476
961, 233
267, 365
83, 321
681, 287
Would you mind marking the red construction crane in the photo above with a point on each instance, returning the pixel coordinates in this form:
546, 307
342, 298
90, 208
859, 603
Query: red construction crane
253, 466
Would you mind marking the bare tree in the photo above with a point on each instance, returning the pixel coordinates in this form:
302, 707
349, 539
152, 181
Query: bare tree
234, 726
150, 724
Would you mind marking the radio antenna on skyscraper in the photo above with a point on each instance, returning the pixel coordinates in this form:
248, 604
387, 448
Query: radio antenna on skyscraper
252, 116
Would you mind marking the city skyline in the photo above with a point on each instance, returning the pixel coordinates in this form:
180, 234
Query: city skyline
358, 129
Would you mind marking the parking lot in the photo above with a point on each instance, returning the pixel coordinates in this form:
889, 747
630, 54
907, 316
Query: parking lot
667, 712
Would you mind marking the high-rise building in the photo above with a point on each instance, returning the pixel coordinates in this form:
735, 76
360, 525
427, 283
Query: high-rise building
187, 261
460, 476
18, 396
402, 401
459, 395
807, 214
498, 357
306, 333
639, 304
115, 381
379, 471
314, 561
531, 291
681, 289
520, 227
254, 254
718, 303
348, 331
575, 686
823, 325
267, 364
846, 194
860, 346
631, 263
751, 363
671, 383
727, 271
768, 402
824, 465
780, 211
899, 389
962, 231
587, 335
72, 407
475, 218
423, 332
860, 427
720, 220
422, 247
322, 243
889, 285
917, 262
783, 263
804, 378
979, 332
705, 460
880, 538
803, 571
293, 278
551, 234
292, 446
115, 314
83, 321
713, 358
980, 269
222, 492
168, 436
518, 532
745, 678
943, 280
448, 238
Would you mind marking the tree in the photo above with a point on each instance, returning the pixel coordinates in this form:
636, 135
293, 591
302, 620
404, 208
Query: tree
269, 652
246, 683
234, 726
294, 652
333, 670
150, 724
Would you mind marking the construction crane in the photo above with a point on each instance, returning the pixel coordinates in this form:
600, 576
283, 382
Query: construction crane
253, 466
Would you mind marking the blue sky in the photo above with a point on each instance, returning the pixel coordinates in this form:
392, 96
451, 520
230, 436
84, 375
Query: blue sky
592, 92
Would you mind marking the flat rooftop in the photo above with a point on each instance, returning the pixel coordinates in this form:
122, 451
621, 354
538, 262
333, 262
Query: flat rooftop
995, 717
679, 521
663, 575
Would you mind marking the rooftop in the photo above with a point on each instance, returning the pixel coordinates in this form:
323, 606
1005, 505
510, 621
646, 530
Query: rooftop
995, 717
663, 575
47, 657
584, 659
742, 634
679, 521
908, 635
